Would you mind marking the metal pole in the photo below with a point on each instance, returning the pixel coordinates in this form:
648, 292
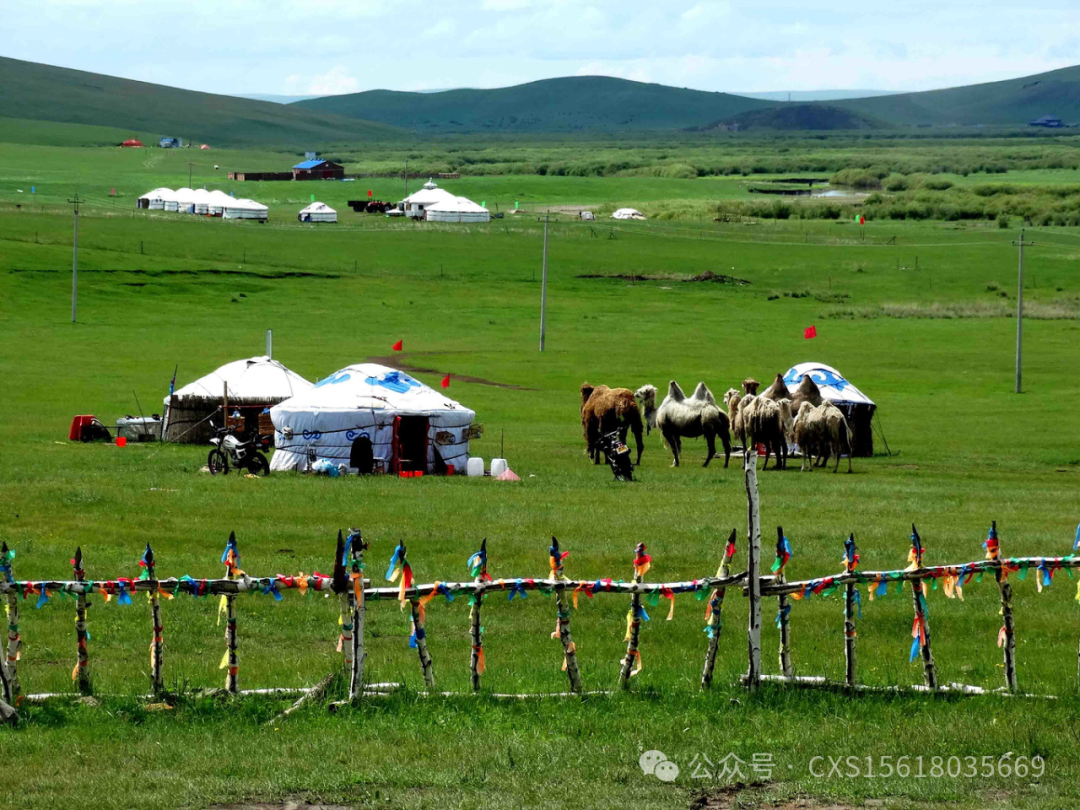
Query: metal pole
1020, 311
75, 262
270, 343
543, 285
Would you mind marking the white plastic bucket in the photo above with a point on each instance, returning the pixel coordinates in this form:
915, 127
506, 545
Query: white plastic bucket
498, 467
475, 467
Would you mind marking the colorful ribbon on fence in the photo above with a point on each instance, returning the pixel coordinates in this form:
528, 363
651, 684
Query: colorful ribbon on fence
783, 554
642, 561
399, 567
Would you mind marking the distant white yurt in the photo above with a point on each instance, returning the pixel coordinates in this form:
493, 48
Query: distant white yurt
155, 200
178, 195
216, 201
628, 213
317, 212
369, 416
186, 198
246, 209
254, 384
858, 408
430, 194
202, 202
457, 209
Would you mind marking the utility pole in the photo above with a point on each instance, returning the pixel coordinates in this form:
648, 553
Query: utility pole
1020, 307
405, 174
75, 261
190, 164
543, 284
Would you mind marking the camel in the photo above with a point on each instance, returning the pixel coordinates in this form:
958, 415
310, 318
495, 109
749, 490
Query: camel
810, 434
777, 390
606, 409
750, 387
756, 419
646, 395
806, 392
698, 415
837, 433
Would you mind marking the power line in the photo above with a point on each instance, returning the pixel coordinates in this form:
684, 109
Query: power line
75, 260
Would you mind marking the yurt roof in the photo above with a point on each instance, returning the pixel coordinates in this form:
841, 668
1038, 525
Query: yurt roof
218, 197
158, 194
245, 204
428, 195
370, 386
829, 381
460, 205
318, 208
257, 379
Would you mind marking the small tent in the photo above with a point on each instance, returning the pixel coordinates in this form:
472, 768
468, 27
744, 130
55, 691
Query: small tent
132, 142
254, 384
317, 212
368, 411
457, 209
857, 407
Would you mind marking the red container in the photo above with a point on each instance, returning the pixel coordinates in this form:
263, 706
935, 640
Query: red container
121, 441
450, 469
77, 425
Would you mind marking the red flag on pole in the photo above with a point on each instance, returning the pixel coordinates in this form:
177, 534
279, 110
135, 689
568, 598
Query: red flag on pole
862, 219
810, 332
397, 346
446, 381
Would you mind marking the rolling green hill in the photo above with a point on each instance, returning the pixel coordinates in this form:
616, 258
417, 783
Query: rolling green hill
1010, 102
574, 104
45, 93
797, 117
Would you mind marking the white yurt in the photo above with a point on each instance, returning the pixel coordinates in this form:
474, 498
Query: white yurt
217, 201
155, 200
857, 407
371, 418
457, 209
178, 196
202, 200
245, 209
317, 212
254, 384
416, 203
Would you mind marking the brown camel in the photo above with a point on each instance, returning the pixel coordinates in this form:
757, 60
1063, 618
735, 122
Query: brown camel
606, 409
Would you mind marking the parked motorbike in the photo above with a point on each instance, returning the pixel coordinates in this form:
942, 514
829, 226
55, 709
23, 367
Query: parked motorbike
617, 454
242, 455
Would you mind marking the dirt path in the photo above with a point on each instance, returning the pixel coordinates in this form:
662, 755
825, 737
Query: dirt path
399, 361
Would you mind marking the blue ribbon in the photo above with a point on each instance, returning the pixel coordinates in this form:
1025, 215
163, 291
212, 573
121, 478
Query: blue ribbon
641, 614
445, 591
1076, 542
145, 555
857, 599
393, 563
230, 544
123, 598
43, 599
914, 649
517, 588
271, 588
883, 587
782, 614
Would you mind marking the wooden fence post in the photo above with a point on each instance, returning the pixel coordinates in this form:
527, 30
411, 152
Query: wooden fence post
357, 546
417, 616
851, 596
478, 569
12, 688
1006, 637
714, 621
783, 612
562, 626
81, 673
642, 562
346, 605
231, 558
753, 573
157, 682
921, 629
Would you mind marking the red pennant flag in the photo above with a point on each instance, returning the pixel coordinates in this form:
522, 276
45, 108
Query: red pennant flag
810, 332
446, 381
862, 219
397, 346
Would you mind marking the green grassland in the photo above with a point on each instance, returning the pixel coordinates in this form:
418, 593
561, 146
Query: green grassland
158, 290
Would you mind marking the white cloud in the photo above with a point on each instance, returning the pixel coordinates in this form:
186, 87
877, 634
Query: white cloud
334, 82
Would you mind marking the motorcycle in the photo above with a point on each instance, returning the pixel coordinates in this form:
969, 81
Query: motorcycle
242, 455
617, 454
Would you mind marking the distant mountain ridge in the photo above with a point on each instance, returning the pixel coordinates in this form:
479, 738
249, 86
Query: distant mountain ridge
33, 91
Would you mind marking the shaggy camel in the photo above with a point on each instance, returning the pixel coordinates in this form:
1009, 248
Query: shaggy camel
699, 415
606, 409
838, 434
750, 387
806, 392
646, 395
756, 419
811, 434
777, 390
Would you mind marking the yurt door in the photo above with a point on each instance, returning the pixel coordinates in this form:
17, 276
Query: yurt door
410, 443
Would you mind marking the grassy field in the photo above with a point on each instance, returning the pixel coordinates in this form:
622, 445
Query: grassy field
157, 290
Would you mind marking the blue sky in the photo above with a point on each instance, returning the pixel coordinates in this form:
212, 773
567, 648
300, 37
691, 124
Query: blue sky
342, 46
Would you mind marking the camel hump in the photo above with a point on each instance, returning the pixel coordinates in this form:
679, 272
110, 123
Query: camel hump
703, 393
675, 392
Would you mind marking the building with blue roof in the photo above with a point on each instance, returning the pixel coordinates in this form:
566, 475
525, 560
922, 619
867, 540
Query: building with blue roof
318, 169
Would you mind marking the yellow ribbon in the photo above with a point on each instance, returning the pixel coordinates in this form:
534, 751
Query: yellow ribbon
223, 607
224, 660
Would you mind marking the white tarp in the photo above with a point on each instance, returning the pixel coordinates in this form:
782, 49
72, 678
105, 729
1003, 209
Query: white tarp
363, 401
628, 213
457, 209
829, 381
317, 212
256, 378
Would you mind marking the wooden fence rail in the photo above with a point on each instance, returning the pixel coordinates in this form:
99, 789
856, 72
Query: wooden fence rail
355, 590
